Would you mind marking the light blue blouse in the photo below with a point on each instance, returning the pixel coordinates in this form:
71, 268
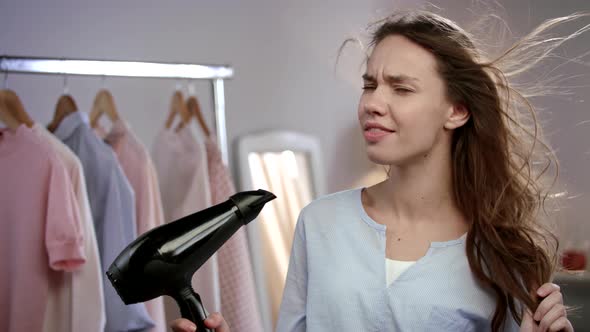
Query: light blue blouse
337, 279
112, 202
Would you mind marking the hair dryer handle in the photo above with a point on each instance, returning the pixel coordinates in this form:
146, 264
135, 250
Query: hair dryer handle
192, 309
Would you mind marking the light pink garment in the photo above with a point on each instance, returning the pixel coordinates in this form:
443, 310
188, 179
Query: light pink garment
100, 131
40, 228
75, 301
181, 164
236, 278
137, 166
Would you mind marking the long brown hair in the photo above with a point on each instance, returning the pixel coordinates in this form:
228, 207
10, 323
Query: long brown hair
498, 183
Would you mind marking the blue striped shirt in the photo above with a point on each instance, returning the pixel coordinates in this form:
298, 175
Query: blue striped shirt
337, 278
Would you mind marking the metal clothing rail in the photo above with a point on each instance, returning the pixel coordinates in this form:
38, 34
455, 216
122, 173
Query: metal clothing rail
103, 68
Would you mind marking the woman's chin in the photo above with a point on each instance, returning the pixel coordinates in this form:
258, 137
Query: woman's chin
389, 158
380, 159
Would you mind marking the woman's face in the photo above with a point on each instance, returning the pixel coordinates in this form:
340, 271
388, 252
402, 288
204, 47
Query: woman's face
403, 108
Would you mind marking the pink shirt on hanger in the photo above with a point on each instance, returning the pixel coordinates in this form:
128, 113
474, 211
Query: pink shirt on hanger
138, 167
236, 277
181, 164
75, 301
40, 227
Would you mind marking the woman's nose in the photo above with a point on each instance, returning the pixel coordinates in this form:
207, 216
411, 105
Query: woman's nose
374, 109
374, 105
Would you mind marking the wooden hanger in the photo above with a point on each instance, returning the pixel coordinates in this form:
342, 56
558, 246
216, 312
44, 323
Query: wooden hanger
65, 105
178, 107
104, 103
12, 111
193, 106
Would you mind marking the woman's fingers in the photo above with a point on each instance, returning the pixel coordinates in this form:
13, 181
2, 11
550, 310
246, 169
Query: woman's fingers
214, 321
547, 288
562, 324
217, 322
547, 304
183, 325
551, 317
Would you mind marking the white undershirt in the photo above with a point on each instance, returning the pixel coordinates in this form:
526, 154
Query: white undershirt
394, 268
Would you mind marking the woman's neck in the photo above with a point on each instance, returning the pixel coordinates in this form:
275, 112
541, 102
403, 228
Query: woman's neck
420, 191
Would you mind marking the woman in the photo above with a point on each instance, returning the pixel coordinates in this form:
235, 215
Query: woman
450, 241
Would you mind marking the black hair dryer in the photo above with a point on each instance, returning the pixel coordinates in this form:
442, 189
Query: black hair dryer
163, 260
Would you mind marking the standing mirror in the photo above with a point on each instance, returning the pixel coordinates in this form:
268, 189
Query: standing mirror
289, 165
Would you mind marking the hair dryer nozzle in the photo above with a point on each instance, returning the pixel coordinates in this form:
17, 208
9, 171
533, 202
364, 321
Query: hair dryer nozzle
114, 276
250, 203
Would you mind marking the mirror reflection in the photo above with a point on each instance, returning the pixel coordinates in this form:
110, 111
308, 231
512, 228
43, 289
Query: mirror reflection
287, 175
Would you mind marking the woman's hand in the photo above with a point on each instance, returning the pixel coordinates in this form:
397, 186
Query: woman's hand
214, 321
551, 314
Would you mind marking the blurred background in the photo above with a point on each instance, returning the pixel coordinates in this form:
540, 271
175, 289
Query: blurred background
287, 79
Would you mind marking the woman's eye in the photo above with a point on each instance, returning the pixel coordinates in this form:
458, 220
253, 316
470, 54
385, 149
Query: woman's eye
368, 87
403, 90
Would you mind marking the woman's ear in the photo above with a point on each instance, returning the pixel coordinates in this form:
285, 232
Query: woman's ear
458, 116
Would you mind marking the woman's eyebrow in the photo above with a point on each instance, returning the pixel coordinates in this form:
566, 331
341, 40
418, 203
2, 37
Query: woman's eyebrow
401, 78
398, 78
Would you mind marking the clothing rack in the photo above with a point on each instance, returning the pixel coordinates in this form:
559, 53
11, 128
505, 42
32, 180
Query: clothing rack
216, 74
